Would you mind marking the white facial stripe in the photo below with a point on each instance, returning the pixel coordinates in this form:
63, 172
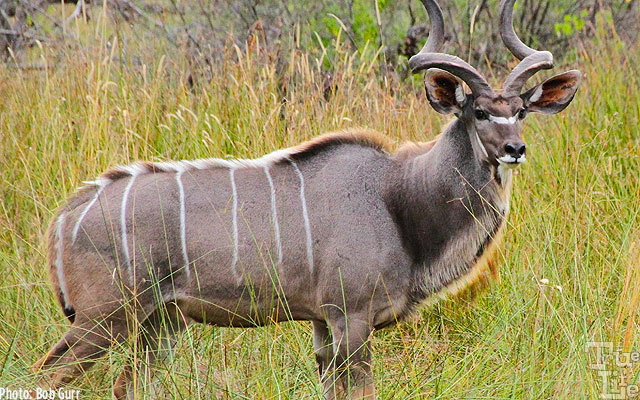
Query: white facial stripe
234, 217
307, 226
59, 263
484, 150
183, 225
503, 120
84, 212
123, 227
274, 214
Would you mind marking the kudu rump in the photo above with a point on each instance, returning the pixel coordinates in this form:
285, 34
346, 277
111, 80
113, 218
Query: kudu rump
336, 231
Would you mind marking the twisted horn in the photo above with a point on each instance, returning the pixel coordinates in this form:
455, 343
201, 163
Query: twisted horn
431, 57
532, 60
436, 32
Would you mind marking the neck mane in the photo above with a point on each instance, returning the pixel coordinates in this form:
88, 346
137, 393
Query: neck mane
449, 206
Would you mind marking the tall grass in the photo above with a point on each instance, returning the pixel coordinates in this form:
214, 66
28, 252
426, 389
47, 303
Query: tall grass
570, 272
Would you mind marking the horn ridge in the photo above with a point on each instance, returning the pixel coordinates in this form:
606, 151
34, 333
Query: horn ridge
532, 60
508, 34
436, 31
431, 57
454, 65
524, 70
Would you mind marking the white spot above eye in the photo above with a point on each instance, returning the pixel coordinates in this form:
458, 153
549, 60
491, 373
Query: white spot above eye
536, 95
461, 97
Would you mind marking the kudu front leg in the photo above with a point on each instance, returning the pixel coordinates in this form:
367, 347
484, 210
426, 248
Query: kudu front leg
352, 377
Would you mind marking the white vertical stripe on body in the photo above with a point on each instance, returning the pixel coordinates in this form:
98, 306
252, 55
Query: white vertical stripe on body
234, 217
274, 214
183, 225
123, 226
84, 213
305, 214
59, 262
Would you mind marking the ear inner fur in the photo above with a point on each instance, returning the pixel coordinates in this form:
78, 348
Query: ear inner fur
554, 94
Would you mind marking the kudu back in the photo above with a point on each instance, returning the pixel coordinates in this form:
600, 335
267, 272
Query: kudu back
338, 230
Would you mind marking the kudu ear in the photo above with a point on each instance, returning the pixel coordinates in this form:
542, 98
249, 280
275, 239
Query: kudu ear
444, 91
554, 94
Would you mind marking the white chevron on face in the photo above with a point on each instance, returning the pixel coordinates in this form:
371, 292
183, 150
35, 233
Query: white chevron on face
503, 120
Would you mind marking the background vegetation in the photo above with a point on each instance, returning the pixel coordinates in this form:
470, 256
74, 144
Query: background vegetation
107, 95
197, 32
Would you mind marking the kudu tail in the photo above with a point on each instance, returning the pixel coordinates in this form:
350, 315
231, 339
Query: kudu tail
55, 248
52, 257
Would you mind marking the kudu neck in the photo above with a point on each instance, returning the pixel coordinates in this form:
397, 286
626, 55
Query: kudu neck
456, 159
445, 193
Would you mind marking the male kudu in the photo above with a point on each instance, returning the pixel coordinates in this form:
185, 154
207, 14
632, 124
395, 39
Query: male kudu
336, 231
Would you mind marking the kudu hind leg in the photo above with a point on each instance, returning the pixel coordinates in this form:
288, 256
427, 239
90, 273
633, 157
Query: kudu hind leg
323, 348
78, 350
157, 338
352, 361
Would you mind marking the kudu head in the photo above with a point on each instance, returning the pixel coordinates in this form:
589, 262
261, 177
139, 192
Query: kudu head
495, 116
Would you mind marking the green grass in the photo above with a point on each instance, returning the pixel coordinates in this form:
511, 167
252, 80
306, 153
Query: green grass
573, 221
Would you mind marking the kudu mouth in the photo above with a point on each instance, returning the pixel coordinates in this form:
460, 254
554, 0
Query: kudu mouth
511, 161
515, 154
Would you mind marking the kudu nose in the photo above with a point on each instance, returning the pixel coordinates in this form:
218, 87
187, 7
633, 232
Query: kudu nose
515, 150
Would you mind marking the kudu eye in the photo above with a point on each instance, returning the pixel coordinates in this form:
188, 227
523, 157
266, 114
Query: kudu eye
481, 115
522, 113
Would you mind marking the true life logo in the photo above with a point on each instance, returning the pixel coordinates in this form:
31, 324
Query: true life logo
614, 369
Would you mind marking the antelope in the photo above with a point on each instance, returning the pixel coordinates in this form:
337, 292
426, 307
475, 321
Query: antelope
338, 230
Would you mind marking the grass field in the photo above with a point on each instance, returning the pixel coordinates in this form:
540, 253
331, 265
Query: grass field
570, 268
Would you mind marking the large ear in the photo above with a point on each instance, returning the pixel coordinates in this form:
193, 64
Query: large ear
444, 91
554, 94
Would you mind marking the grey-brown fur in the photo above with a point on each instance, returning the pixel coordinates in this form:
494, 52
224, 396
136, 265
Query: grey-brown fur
335, 203
358, 238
